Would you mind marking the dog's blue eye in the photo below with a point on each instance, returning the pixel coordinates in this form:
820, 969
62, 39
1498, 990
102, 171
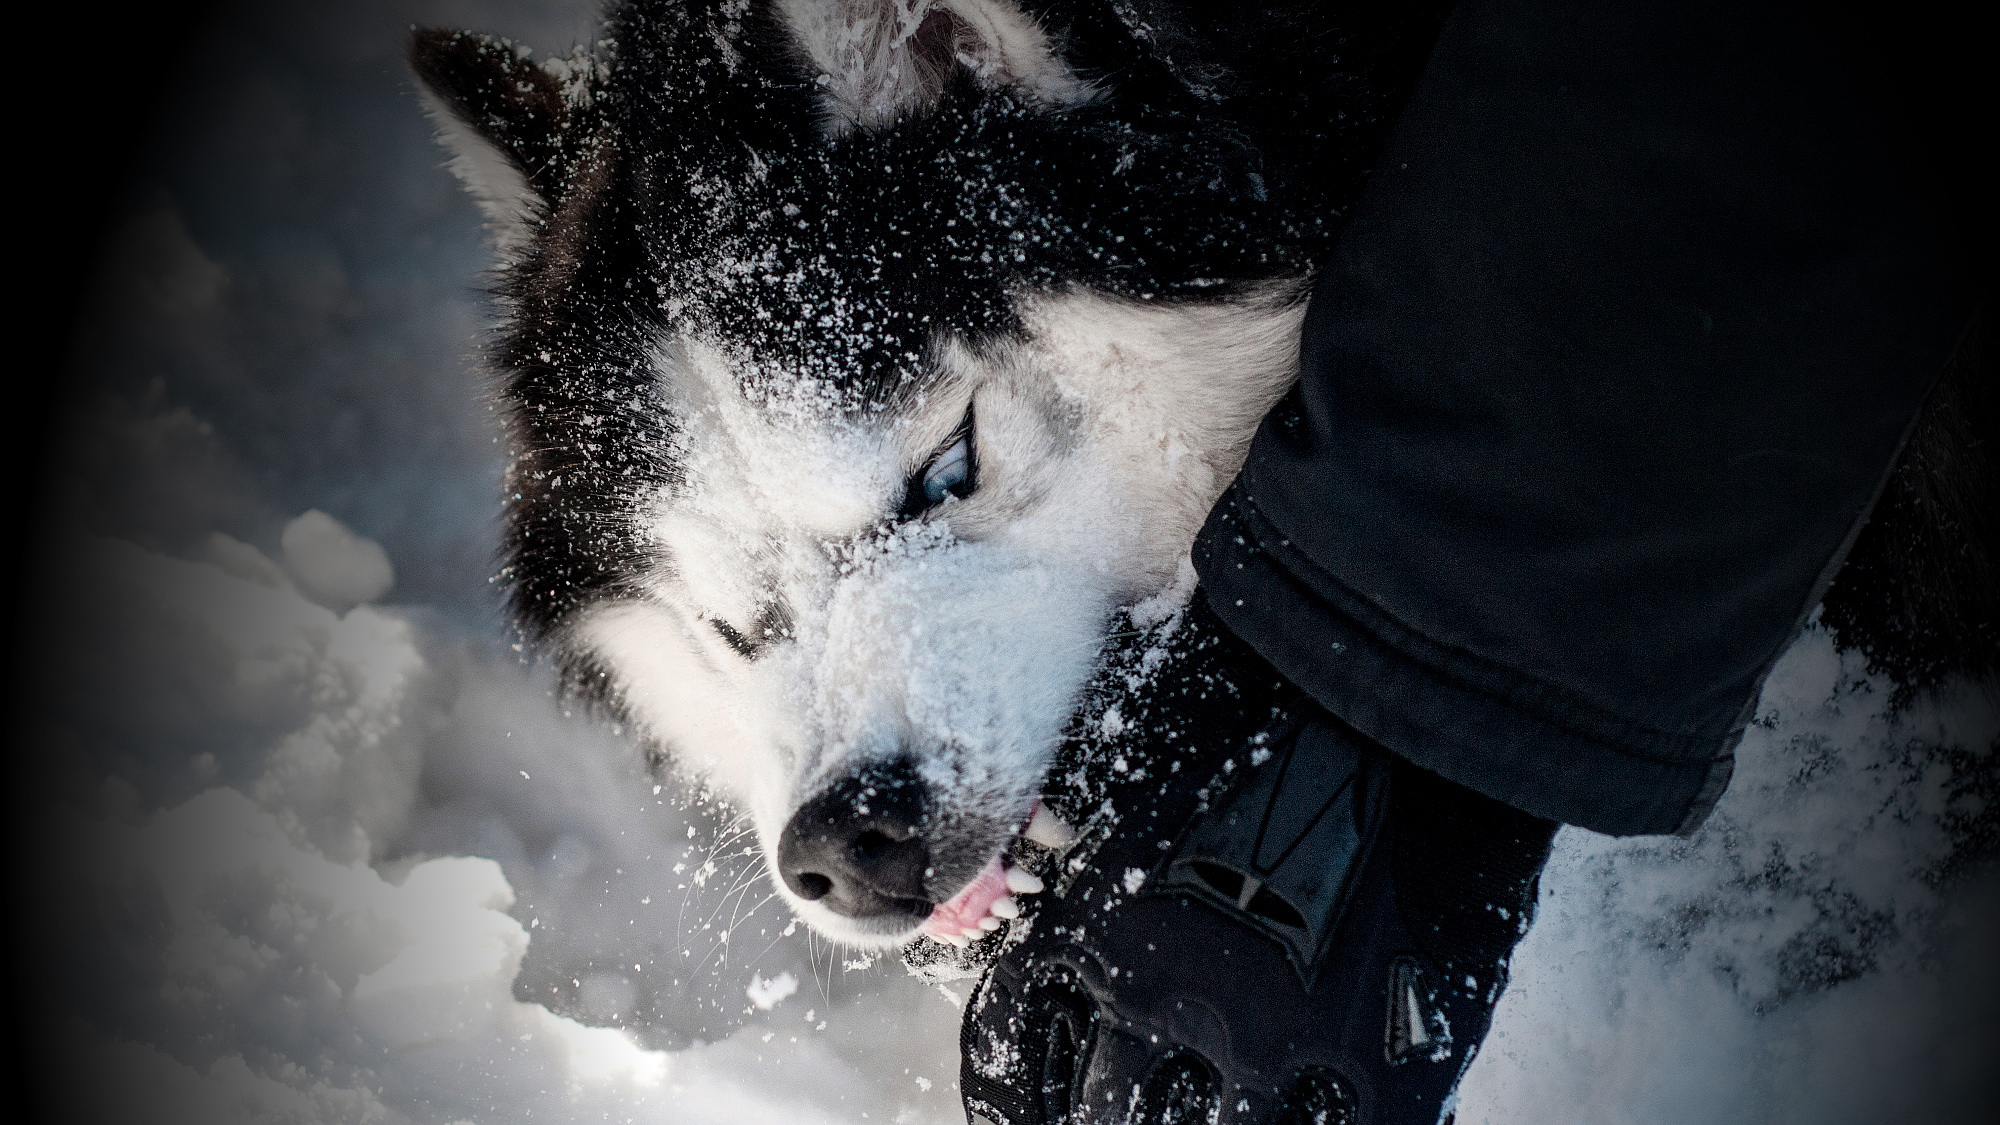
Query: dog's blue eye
950, 474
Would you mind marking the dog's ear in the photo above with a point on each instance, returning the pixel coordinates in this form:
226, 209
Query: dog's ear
509, 122
881, 59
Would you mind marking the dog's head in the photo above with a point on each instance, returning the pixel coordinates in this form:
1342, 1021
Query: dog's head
861, 359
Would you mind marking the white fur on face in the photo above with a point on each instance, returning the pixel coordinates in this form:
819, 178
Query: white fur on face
962, 638
875, 65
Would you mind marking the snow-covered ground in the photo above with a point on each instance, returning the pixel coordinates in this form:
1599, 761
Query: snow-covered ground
353, 867
323, 847
1822, 950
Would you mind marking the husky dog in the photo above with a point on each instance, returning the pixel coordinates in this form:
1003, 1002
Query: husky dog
862, 358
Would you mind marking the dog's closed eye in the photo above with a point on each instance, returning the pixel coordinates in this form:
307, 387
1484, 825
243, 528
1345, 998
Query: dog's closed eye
772, 623
744, 646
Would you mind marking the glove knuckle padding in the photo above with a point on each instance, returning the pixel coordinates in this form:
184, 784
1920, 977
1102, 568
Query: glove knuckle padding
1265, 920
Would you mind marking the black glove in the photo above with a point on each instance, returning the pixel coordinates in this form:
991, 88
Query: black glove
1262, 918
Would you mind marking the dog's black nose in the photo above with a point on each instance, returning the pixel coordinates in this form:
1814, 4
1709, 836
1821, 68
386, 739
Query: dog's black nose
857, 849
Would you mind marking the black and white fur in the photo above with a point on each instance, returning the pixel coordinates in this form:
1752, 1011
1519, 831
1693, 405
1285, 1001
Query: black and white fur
767, 265
862, 358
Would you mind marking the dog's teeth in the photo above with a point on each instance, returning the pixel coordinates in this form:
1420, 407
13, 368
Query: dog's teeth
1005, 908
989, 923
959, 940
1022, 881
1046, 829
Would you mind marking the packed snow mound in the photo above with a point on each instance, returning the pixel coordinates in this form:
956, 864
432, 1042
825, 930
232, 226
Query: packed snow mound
294, 988
1818, 952
201, 673
234, 943
334, 566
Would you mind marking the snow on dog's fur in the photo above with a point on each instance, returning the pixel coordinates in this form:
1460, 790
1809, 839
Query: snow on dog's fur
863, 358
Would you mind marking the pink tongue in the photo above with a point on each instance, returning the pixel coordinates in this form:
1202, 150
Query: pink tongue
962, 911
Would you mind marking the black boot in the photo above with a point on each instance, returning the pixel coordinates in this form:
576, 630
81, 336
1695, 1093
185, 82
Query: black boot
1262, 919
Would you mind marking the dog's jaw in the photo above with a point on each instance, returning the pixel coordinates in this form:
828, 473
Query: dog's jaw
965, 656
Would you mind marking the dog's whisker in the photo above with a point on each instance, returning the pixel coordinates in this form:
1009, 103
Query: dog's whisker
723, 935
735, 919
741, 884
773, 943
